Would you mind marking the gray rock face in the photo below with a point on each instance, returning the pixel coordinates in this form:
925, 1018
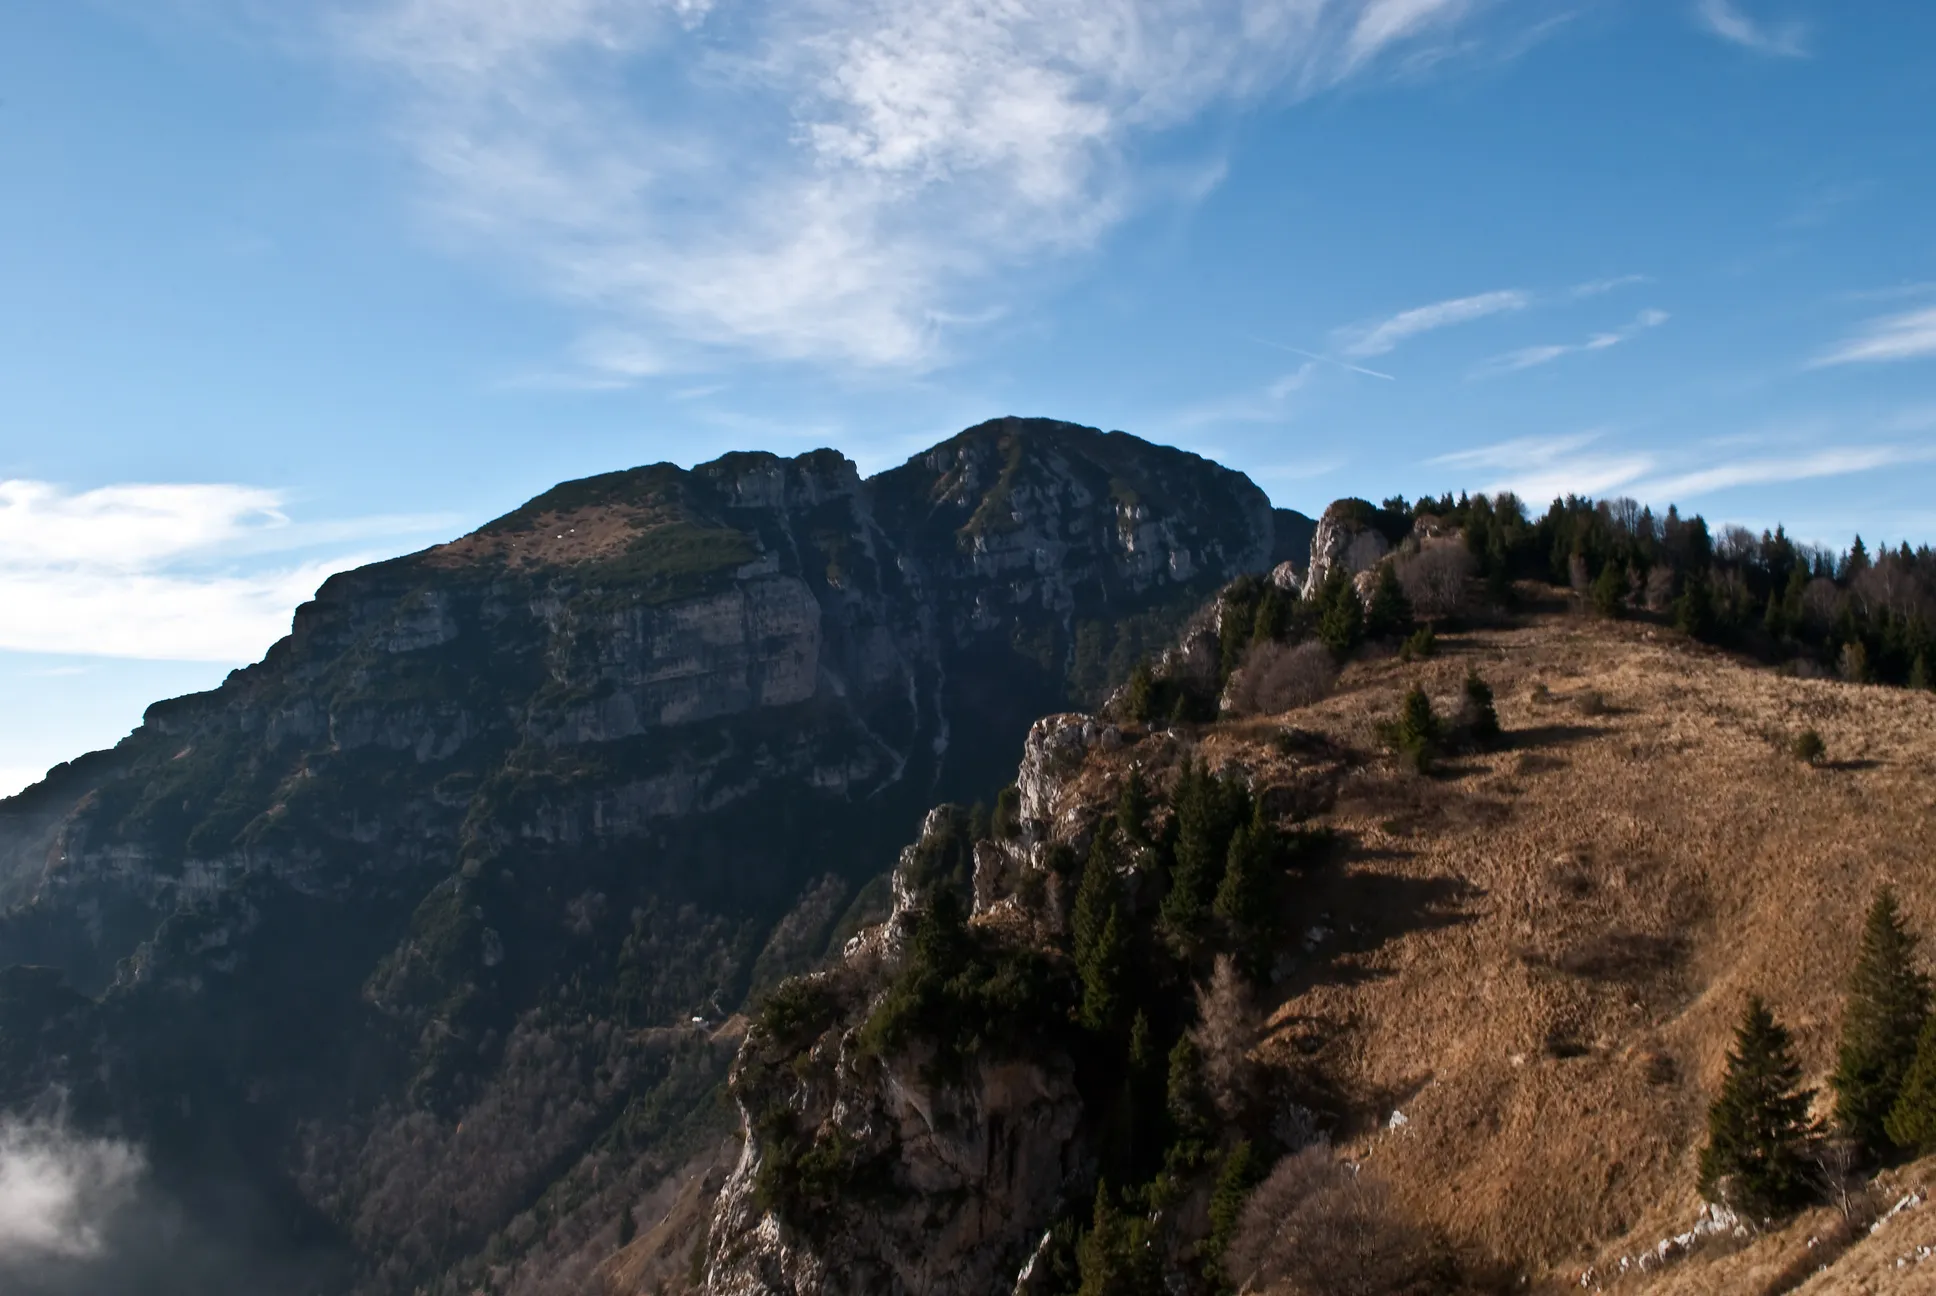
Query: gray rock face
1352, 537
972, 1167
554, 785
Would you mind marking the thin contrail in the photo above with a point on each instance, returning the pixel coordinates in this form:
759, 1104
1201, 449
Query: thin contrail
1312, 355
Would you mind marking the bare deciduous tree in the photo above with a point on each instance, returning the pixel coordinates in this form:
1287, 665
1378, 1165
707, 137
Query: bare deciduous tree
1435, 577
1227, 1027
1319, 1227
1278, 677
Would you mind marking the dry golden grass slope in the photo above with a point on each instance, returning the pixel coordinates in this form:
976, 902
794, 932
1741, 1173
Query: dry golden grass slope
1538, 955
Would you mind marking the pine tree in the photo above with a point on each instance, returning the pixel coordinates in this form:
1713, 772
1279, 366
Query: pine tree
1610, 590
1115, 1257
1140, 700
1187, 1097
1415, 734
1477, 713
1100, 944
1888, 1004
1912, 1121
1208, 810
1133, 808
1102, 976
1341, 624
1245, 896
1390, 613
1694, 610
1759, 1132
1243, 1169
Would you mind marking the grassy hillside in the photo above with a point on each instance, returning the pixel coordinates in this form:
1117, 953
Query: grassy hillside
1535, 956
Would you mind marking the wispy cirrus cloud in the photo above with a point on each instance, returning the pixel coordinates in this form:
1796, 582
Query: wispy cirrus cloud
1907, 336
1383, 336
1842, 461
1725, 19
163, 571
817, 179
1534, 356
1541, 468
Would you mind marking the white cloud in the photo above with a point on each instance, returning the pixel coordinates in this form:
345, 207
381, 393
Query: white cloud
1910, 336
821, 179
1595, 287
1725, 19
1269, 405
59, 1191
125, 571
1542, 468
1380, 338
1839, 462
1533, 356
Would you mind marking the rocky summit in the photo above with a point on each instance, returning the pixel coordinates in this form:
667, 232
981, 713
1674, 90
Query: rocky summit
412, 954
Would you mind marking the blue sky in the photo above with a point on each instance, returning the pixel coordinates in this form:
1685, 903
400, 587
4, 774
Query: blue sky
288, 286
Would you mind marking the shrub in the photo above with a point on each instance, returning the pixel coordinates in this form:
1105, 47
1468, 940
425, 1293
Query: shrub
1278, 677
1854, 663
966, 991
1759, 1132
1315, 1227
1423, 644
1435, 578
1808, 747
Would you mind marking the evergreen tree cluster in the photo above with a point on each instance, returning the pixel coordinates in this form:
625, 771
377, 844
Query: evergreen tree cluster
1868, 618
1764, 1150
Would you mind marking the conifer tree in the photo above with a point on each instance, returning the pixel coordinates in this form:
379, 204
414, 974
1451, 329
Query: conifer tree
1099, 940
1133, 808
1187, 1097
1888, 1004
1102, 976
1208, 809
1919, 676
1390, 613
1759, 1132
1096, 895
1244, 897
1477, 713
1694, 610
1241, 1171
1610, 590
1115, 1257
1415, 733
1341, 623
1140, 701
1912, 1121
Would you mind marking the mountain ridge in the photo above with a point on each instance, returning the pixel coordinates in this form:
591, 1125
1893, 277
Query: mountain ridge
496, 820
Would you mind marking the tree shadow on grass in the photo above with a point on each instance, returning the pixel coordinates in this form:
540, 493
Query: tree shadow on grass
1349, 900
1534, 737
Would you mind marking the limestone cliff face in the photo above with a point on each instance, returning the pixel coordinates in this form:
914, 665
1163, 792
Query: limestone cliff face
486, 848
1351, 537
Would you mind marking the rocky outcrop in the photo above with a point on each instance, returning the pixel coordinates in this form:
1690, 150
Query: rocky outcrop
1352, 537
494, 814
